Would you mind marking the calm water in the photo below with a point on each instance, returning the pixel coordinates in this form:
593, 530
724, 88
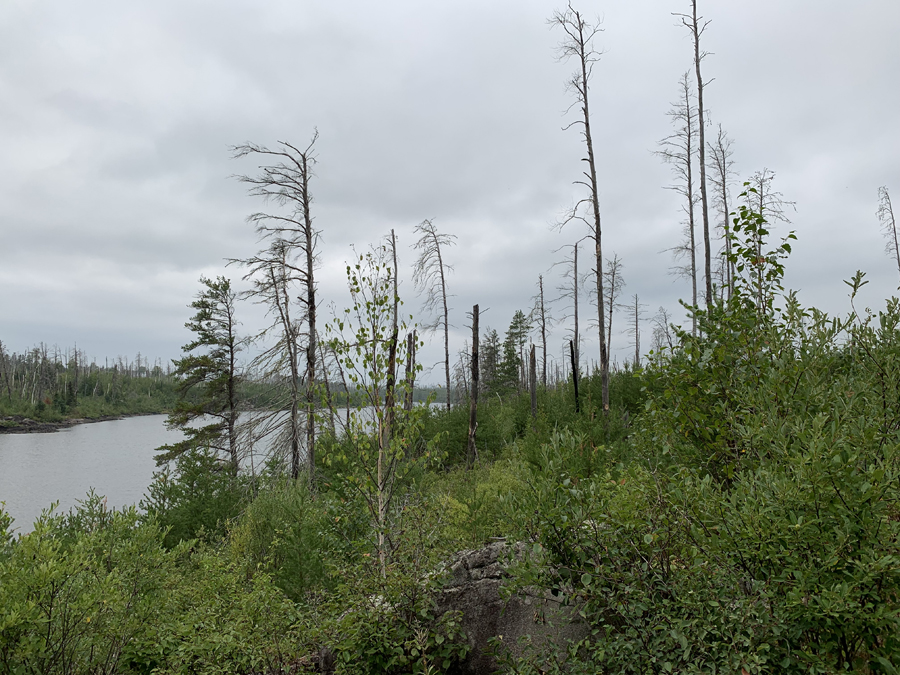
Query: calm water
115, 458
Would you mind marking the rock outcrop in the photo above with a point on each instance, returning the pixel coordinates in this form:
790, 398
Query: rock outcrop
473, 588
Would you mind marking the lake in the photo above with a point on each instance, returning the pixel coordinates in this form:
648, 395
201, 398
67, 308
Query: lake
115, 458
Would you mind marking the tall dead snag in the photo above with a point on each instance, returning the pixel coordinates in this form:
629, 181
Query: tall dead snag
540, 313
678, 150
697, 27
390, 380
615, 282
574, 373
888, 224
570, 289
293, 239
578, 44
722, 176
634, 311
532, 381
429, 276
271, 276
472, 450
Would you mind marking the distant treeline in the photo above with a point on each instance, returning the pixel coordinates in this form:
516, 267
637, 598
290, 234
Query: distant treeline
52, 384
49, 383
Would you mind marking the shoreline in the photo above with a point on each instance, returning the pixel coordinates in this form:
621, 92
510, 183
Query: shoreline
26, 425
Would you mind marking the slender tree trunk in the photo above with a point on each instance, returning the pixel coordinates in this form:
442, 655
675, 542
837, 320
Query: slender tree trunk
888, 223
309, 235
574, 375
532, 381
410, 369
543, 331
697, 30
576, 354
472, 450
388, 425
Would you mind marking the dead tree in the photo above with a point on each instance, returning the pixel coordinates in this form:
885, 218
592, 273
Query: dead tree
663, 337
634, 312
293, 240
578, 44
539, 313
390, 380
430, 278
697, 26
722, 177
678, 150
411, 341
471, 448
271, 276
888, 224
762, 198
615, 283
570, 289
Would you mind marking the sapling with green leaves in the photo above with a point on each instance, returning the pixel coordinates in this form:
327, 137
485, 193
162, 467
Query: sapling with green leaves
381, 444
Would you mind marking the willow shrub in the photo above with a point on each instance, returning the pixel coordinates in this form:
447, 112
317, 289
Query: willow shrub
758, 528
98, 592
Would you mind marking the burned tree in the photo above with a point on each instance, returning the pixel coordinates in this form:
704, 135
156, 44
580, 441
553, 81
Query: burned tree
615, 282
430, 278
578, 44
888, 224
290, 258
697, 26
722, 175
539, 314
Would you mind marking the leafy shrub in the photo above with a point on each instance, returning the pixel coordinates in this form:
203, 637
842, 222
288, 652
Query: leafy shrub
97, 592
195, 499
284, 533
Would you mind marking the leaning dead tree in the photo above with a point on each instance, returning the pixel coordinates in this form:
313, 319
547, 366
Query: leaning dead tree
430, 278
578, 45
697, 26
272, 277
291, 243
888, 224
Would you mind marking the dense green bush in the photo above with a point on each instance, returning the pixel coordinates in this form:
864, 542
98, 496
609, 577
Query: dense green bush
195, 495
286, 534
97, 592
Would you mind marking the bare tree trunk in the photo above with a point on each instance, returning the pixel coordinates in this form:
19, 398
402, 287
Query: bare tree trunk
472, 450
722, 162
888, 223
576, 354
410, 369
532, 381
574, 375
429, 276
693, 24
388, 425
580, 35
543, 331
616, 283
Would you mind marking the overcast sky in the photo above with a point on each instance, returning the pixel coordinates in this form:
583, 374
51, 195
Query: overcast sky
116, 118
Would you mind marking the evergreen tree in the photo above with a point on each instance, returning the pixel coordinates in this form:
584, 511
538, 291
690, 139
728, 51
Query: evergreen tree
208, 378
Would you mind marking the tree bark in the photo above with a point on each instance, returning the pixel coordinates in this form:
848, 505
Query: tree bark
472, 450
